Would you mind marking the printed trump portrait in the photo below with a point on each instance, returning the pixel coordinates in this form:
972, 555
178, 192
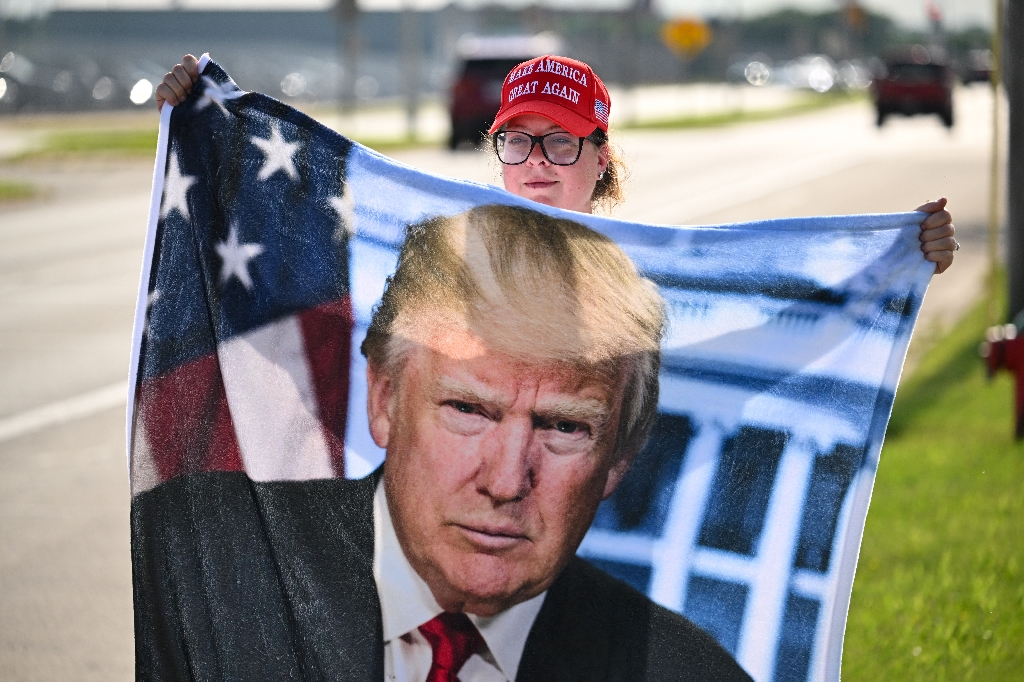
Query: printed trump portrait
512, 379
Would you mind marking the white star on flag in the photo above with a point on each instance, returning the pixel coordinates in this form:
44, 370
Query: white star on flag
216, 93
279, 154
344, 212
151, 299
236, 258
176, 188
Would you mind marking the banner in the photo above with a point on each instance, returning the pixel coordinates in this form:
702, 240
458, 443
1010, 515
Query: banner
271, 241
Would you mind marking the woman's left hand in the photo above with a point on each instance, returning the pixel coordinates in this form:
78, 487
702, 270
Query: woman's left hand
937, 231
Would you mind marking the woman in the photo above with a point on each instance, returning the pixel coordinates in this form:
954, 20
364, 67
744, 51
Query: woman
551, 136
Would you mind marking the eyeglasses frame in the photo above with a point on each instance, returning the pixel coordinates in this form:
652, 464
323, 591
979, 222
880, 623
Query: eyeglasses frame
538, 139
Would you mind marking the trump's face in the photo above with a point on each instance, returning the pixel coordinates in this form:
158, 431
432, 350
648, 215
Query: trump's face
495, 466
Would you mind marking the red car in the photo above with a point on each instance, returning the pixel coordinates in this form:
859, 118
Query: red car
476, 97
911, 87
486, 60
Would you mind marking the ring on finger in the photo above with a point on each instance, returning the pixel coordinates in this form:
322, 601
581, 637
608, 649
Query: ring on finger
956, 246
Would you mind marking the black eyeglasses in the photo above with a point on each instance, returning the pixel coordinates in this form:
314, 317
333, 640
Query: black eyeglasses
514, 147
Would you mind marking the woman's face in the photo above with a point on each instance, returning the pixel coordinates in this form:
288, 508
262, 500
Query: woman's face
569, 187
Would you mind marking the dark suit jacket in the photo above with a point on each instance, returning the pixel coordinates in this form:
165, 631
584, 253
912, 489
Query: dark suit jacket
236, 580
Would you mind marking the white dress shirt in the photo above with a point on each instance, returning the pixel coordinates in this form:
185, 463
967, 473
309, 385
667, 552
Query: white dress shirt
406, 602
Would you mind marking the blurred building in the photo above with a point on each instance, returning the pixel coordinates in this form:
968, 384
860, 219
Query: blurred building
76, 59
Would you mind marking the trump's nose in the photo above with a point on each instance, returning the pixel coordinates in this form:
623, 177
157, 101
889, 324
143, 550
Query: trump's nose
506, 472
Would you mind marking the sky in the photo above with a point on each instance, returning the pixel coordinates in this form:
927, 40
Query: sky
911, 13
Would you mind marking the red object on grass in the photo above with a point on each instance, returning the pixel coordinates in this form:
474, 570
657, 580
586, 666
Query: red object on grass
1003, 349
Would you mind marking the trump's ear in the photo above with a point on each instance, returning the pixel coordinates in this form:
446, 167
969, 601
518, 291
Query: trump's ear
379, 389
615, 475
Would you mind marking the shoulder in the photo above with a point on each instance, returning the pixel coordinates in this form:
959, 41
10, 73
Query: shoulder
235, 488
594, 627
281, 572
679, 650
335, 508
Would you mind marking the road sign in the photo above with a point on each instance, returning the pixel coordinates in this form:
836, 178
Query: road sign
686, 37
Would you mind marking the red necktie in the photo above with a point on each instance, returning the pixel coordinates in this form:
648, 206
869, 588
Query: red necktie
454, 638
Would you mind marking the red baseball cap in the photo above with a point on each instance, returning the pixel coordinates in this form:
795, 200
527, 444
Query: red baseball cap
562, 89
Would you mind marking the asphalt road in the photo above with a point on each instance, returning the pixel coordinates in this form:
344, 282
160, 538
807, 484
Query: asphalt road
69, 266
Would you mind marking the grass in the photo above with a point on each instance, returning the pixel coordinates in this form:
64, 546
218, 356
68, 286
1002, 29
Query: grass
806, 104
397, 144
130, 142
11, 190
141, 142
939, 593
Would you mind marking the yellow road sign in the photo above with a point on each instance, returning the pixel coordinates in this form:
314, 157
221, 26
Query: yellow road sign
686, 37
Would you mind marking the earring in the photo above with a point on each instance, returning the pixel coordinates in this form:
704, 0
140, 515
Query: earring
600, 176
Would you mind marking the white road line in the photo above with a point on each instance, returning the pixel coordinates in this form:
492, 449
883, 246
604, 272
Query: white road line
63, 411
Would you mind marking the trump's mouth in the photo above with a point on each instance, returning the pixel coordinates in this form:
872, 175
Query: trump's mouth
492, 538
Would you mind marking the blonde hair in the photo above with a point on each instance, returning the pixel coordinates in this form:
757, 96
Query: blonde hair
529, 285
610, 190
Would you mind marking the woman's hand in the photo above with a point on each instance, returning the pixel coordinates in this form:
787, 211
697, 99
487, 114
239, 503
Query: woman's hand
178, 82
937, 239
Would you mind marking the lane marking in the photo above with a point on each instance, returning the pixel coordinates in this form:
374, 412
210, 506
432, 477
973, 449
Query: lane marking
62, 411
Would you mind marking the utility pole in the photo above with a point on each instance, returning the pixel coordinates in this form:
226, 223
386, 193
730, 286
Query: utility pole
1014, 67
935, 17
412, 69
346, 13
630, 58
995, 169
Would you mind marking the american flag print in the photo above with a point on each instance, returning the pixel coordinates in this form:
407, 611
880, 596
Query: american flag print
601, 111
245, 347
270, 241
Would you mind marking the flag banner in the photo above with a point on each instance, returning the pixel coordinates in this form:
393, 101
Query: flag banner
777, 348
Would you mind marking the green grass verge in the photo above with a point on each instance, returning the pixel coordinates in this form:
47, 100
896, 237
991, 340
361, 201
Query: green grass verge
142, 142
939, 593
130, 142
11, 190
806, 104
398, 144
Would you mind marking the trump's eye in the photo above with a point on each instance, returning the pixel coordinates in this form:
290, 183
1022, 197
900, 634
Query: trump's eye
565, 436
569, 427
463, 418
460, 406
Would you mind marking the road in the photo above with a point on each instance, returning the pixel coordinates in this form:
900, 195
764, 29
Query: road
69, 266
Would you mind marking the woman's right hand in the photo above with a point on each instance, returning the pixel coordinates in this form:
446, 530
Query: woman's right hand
178, 82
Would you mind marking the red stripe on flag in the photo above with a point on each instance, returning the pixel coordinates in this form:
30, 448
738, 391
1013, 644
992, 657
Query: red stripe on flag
327, 334
188, 424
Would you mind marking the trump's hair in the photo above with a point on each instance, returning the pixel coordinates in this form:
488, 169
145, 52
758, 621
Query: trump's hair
532, 286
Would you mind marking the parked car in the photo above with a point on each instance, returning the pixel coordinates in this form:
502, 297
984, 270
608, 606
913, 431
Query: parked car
73, 84
485, 61
978, 67
914, 84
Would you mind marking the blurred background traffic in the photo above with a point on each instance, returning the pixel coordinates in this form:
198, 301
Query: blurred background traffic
68, 58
